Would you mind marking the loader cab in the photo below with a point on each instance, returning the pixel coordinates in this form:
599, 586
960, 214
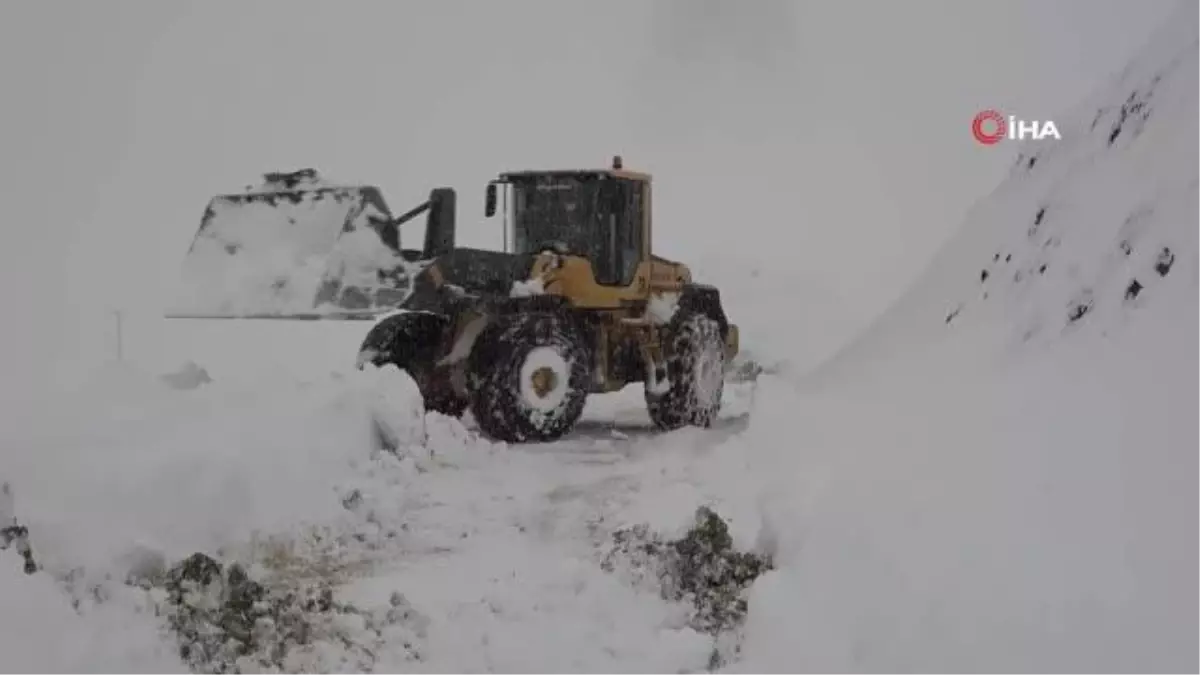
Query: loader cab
598, 215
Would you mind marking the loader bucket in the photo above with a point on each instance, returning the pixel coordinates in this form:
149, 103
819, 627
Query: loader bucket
294, 248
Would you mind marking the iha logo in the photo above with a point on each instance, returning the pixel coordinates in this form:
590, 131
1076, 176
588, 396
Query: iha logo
990, 127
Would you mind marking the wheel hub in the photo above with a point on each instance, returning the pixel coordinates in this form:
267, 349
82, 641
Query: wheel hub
544, 381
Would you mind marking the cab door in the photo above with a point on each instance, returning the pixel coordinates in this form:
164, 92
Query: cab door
622, 231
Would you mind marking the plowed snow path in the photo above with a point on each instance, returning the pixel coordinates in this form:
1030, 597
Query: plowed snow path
502, 546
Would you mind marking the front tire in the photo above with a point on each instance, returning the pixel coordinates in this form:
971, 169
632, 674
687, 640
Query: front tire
529, 375
411, 342
695, 368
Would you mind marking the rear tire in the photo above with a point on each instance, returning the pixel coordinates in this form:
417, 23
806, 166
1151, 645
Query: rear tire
694, 356
412, 342
529, 378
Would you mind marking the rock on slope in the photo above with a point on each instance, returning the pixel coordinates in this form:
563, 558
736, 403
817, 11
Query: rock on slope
1001, 473
1077, 222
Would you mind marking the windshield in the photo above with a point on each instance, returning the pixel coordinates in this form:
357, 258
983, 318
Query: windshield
552, 210
588, 215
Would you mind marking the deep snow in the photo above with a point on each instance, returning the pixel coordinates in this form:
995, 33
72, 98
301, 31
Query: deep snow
494, 544
1000, 474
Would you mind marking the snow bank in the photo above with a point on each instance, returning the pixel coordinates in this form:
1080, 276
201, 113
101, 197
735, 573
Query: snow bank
132, 463
1001, 474
40, 631
132, 474
1028, 521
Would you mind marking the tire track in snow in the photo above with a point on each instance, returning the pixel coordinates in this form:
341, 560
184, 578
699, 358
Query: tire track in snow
500, 547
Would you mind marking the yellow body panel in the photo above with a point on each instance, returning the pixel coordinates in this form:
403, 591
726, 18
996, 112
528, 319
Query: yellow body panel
573, 278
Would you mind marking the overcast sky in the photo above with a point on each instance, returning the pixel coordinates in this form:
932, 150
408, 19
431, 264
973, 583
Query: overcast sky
831, 136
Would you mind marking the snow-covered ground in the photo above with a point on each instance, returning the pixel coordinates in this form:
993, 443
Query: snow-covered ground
497, 545
1000, 474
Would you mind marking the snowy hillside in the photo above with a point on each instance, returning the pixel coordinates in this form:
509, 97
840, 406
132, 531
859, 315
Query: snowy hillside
1076, 222
999, 475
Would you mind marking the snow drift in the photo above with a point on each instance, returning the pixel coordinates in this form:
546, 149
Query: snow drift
1001, 474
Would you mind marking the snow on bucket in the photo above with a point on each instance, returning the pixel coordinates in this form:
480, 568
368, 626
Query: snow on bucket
294, 247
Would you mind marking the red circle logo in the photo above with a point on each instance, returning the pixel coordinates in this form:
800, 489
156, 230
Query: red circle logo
989, 127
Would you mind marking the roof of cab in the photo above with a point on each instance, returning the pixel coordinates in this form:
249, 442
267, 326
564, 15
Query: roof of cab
617, 170
618, 173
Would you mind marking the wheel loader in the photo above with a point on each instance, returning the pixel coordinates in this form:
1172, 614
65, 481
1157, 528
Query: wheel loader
576, 303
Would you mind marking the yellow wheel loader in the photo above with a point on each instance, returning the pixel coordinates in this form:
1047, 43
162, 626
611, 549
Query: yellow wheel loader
575, 304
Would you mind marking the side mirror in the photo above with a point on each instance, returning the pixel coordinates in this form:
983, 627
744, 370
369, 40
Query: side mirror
489, 205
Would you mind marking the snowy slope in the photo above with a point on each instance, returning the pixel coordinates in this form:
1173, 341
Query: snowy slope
1001, 473
1053, 236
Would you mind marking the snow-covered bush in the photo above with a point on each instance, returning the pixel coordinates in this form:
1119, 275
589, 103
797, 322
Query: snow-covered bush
227, 622
701, 568
12, 533
189, 376
704, 567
